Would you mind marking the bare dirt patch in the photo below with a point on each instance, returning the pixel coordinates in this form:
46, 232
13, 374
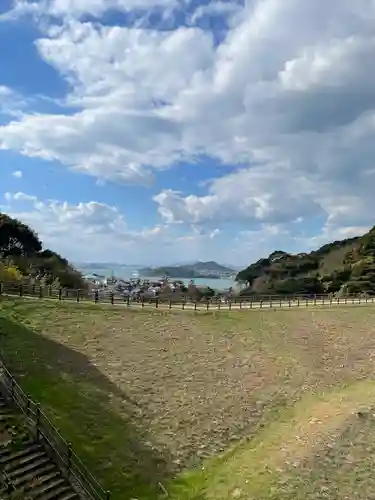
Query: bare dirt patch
204, 381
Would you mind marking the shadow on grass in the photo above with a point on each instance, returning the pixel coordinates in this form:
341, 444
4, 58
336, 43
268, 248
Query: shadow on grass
104, 425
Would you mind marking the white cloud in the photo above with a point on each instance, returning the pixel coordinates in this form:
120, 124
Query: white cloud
79, 8
249, 195
95, 231
289, 94
17, 174
224, 9
119, 76
4, 91
11, 103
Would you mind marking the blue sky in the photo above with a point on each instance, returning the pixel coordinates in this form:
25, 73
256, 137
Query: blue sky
156, 131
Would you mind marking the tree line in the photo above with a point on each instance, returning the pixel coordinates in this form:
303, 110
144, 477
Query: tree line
22, 257
344, 266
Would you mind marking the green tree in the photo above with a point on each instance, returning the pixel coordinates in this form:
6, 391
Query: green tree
17, 238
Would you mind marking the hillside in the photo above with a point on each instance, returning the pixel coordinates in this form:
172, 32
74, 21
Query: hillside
22, 258
209, 269
267, 405
346, 266
211, 266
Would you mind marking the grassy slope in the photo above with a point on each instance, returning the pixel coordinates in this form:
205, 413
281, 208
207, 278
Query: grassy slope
292, 381
335, 259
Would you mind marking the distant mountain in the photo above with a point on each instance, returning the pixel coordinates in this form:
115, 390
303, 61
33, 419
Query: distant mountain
104, 265
209, 270
210, 266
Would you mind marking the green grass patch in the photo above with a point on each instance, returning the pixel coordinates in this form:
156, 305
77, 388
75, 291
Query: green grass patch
82, 404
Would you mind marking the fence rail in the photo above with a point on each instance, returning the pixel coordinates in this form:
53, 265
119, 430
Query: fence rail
176, 301
59, 449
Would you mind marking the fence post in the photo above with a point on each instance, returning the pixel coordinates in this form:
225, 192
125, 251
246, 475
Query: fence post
9, 486
251, 303
107, 495
28, 405
60, 293
156, 303
183, 304
96, 296
142, 301
195, 305
128, 301
37, 409
289, 303
12, 387
112, 298
270, 302
21, 289
50, 291
208, 304
77, 292
33, 290
307, 302
297, 302
1, 288
69, 457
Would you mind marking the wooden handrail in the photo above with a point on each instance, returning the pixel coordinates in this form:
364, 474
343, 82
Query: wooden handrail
46, 431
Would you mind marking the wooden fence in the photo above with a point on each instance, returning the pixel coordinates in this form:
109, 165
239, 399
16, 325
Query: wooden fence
178, 302
61, 451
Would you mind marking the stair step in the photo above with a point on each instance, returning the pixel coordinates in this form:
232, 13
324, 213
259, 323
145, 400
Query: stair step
30, 467
55, 494
42, 489
70, 496
24, 459
49, 469
6, 416
14, 443
7, 449
6, 458
44, 479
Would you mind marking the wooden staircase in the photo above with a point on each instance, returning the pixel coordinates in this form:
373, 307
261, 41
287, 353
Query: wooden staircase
27, 469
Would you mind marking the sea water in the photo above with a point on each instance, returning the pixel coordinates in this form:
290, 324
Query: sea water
126, 272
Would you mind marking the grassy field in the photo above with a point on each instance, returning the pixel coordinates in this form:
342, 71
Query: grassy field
213, 406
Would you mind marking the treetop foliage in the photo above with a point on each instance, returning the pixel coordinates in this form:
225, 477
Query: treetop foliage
23, 257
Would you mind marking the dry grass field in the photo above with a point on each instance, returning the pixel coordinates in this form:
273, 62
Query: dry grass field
213, 406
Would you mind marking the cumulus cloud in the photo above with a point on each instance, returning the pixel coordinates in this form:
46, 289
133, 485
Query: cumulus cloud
79, 8
289, 95
95, 231
121, 78
223, 9
17, 174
